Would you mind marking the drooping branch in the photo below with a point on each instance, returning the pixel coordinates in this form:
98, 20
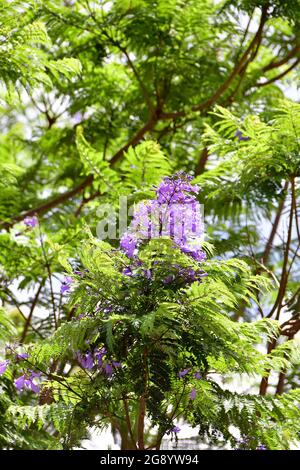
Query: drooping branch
275, 224
202, 162
280, 75
63, 197
236, 70
33, 305
274, 64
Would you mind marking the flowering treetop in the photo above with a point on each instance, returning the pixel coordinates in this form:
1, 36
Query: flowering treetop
175, 213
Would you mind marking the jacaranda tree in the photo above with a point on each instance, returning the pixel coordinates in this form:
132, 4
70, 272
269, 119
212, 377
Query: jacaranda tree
140, 327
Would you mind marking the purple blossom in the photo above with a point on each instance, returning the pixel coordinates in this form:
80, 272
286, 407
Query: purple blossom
193, 394
108, 309
175, 213
147, 273
85, 360
108, 369
27, 382
66, 284
34, 387
127, 271
98, 355
78, 273
169, 279
241, 137
20, 382
3, 366
261, 447
31, 221
198, 375
176, 189
22, 356
116, 364
183, 373
175, 429
128, 244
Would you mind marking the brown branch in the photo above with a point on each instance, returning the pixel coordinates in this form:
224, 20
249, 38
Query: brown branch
33, 305
141, 422
265, 380
85, 200
281, 377
136, 138
275, 64
138, 79
128, 422
236, 70
202, 162
284, 276
61, 198
15, 303
47, 206
281, 75
274, 226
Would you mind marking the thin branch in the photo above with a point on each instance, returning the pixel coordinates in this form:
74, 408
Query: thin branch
33, 305
275, 64
284, 278
48, 268
128, 422
281, 75
270, 241
236, 70
202, 162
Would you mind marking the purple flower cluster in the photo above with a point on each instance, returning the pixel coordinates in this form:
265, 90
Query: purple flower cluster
176, 189
241, 137
5, 364
128, 244
98, 357
66, 284
197, 376
245, 442
31, 221
188, 275
26, 382
175, 213
185, 372
175, 429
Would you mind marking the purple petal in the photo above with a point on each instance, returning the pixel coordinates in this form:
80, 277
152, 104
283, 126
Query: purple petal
85, 360
20, 382
127, 271
193, 394
116, 364
183, 373
3, 367
108, 369
31, 221
35, 388
22, 356
176, 429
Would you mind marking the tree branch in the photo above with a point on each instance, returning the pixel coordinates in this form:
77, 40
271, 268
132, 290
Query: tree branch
281, 75
275, 64
236, 70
